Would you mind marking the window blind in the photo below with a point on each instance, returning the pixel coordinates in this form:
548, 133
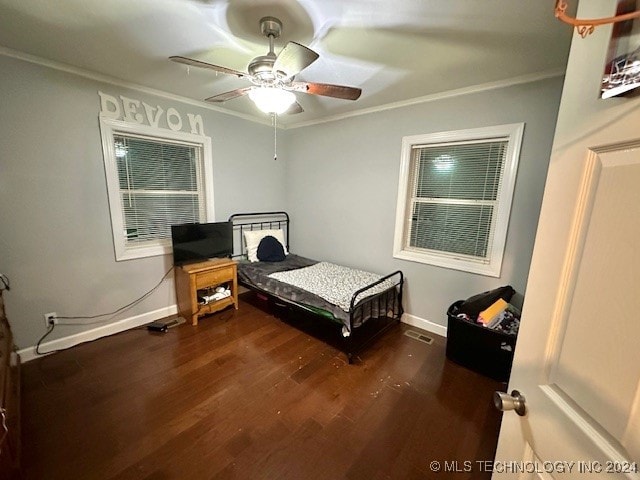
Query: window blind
159, 185
454, 193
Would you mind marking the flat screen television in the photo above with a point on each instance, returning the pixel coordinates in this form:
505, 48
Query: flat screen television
196, 242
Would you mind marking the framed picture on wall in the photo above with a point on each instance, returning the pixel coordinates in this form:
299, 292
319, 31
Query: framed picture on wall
622, 70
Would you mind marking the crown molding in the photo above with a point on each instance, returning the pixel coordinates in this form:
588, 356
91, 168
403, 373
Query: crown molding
483, 87
523, 79
99, 77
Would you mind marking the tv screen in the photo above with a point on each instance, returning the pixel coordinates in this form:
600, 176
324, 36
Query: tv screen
196, 242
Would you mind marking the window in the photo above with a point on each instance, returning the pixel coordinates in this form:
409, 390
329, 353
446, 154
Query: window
454, 197
155, 179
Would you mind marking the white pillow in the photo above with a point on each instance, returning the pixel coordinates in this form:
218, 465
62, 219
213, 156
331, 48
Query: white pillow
252, 240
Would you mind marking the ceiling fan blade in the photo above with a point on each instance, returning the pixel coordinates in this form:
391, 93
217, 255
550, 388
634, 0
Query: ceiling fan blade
328, 90
294, 108
294, 58
197, 63
223, 97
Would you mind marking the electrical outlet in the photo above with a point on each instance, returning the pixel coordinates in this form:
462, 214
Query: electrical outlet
50, 319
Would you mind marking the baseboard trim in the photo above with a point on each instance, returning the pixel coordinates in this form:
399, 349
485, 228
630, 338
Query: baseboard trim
29, 353
424, 324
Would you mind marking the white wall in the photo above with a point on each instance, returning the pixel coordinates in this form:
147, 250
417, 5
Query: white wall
342, 181
56, 244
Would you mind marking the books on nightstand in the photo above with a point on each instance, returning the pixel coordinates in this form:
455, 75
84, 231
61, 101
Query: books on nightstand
218, 294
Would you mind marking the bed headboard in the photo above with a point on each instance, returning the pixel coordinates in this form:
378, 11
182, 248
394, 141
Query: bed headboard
256, 221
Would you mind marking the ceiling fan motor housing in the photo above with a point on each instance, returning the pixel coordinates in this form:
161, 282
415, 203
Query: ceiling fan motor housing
262, 66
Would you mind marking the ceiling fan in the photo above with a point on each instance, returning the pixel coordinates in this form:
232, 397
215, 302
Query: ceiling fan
273, 75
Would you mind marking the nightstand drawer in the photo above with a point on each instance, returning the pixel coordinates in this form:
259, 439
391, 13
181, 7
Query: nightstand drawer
207, 279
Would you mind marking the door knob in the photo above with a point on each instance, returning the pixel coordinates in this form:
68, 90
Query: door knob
505, 402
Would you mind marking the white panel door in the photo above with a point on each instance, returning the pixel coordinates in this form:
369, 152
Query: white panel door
577, 360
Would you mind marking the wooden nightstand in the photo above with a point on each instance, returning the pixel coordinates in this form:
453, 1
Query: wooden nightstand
199, 279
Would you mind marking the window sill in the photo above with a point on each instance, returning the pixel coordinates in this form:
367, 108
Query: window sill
132, 253
453, 263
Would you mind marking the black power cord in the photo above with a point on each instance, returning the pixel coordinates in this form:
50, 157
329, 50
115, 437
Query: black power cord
115, 312
6, 285
90, 317
38, 352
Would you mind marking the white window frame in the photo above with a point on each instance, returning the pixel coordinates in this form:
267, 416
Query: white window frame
492, 264
110, 127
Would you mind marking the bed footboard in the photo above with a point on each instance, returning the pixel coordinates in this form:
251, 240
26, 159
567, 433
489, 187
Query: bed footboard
386, 304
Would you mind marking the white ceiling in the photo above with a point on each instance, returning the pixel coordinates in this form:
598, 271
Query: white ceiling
394, 50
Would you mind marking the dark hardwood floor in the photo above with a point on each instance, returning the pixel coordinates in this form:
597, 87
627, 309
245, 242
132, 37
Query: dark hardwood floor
244, 395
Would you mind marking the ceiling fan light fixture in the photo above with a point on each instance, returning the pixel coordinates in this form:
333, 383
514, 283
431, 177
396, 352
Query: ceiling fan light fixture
271, 99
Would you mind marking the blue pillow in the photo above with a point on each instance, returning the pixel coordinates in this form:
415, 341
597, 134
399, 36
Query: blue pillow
270, 250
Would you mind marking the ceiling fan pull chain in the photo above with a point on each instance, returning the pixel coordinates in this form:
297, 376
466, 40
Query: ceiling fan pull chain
275, 136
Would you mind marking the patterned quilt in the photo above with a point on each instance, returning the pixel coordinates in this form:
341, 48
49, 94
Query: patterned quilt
334, 283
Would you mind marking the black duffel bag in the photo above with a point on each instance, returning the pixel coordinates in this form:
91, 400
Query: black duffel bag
472, 306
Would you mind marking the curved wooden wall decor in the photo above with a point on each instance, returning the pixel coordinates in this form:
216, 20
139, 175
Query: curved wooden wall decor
587, 26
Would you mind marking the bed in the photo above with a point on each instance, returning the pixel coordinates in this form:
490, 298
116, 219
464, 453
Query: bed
355, 306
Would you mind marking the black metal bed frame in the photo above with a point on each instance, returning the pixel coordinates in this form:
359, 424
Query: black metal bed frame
359, 311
